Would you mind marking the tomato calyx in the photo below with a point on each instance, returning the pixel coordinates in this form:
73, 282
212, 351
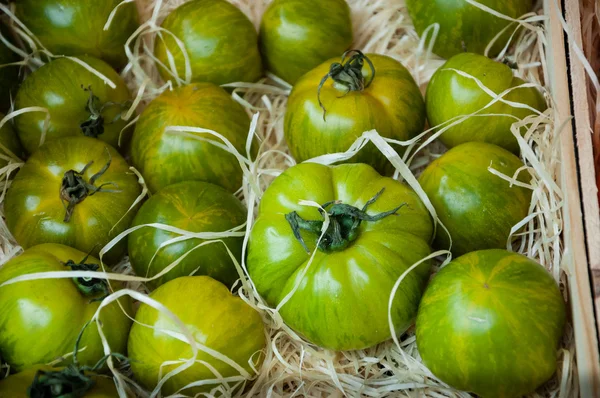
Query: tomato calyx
74, 188
344, 223
94, 125
348, 75
87, 285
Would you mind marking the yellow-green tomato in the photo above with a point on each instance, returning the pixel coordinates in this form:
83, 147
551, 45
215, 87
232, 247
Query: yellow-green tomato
192, 206
451, 95
41, 319
216, 319
327, 120
220, 42
477, 207
490, 323
298, 35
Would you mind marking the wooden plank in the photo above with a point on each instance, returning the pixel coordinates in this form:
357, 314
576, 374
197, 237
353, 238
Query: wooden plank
575, 256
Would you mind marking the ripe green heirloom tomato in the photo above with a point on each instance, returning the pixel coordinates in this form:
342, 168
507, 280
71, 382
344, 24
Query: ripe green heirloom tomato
450, 95
41, 319
477, 207
16, 386
388, 101
490, 323
75, 27
79, 102
10, 147
219, 39
66, 194
342, 301
196, 105
192, 206
217, 319
465, 27
298, 35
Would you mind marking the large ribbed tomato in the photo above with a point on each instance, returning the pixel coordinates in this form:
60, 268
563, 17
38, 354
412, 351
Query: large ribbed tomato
378, 228
353, 100
75, 191
76, 27
40, 320
79, 102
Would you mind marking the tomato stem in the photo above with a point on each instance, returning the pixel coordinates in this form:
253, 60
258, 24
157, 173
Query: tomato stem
348, 75
74, 188
94, 125
344, 223
87, 285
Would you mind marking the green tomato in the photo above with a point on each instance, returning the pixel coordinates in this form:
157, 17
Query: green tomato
54, 200
389, 102
298, 35
219, 39
17, 386
341, 302
217, 319
40, 320
75, 27
477, 207
465, 27
450, 95
193, 206
9, 75
10, 146
65, 89
165, 158
490, 323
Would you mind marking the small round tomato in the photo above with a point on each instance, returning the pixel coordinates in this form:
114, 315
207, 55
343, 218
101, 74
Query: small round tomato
477, 207
220, 41
464, 26
10, 147
47, 382
217, 319
75, 27
192, 206
490, 323
380, 95
297, 36
378, 229
165, 158
40, 320
75, 191
450, 95
8, 74
79, 102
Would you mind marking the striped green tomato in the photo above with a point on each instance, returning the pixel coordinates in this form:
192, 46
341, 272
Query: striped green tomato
298, 35
490, 323
79, 102
341, 302
40, 320
218, 320
466, 27
192, 206
75, 27
451, 95
220, 41
477, 207
165, 158
388, 101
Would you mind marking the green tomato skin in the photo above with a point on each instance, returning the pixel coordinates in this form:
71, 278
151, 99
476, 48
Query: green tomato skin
200, 104
192, 206
490, 323
450, 95
8, 141
342, 301
9, 76
465, 27
41, 319
392, 104
477, 207
34, 210
75, 27
16, 385
298, 35
220, 41
59, 87
215, 317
